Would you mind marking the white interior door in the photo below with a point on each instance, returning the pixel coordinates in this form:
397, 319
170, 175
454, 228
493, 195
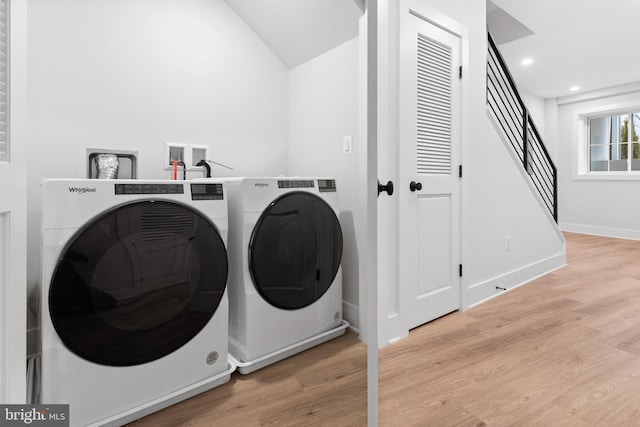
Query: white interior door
429, 183
13, 205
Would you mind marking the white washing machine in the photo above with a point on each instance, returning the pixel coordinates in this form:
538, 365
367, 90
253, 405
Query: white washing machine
134, 310
285, 279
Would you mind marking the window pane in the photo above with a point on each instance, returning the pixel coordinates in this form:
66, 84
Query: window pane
599, 152
599, 157
599, 166
636, 151
618, 151
599, 130
618, 165
623, 122
636, 126
635, 165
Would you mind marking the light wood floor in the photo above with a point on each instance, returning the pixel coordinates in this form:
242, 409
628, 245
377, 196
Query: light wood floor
561, 351
323, 386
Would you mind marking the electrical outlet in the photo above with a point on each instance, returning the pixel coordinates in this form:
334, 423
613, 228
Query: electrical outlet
507, 243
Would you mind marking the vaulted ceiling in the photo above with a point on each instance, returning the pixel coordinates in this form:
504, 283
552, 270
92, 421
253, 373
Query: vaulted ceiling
299, 30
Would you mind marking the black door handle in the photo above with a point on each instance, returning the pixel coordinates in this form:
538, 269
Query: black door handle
413, 186
388, 188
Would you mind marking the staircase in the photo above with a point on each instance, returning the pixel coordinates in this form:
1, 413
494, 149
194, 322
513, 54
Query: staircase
518, 129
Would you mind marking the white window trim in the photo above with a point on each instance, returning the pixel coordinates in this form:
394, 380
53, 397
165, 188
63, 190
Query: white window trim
581, 143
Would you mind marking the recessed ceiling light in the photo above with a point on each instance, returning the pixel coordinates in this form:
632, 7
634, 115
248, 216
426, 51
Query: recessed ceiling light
574, 88
526, 61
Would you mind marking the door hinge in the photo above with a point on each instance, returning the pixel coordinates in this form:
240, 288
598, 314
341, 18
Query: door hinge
460, 269
460, 72
459, 171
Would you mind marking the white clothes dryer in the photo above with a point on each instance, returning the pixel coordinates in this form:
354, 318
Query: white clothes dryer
285, 279
134, 311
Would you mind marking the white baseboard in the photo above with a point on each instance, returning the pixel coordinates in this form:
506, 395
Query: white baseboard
484, 291
351, 314
617, 233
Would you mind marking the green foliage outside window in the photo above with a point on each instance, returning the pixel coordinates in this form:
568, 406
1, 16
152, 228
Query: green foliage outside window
624, 137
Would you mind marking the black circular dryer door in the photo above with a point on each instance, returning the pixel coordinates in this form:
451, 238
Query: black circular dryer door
295, 250
137, 283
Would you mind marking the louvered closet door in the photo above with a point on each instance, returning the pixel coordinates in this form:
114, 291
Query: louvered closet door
429, 152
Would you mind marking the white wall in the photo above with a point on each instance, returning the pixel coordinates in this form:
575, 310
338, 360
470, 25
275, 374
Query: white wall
323, 102
551, 128
496, 199
122, 74
131, 75
608, 206
536, 107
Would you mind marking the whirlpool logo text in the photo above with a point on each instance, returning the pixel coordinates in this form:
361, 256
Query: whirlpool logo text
82, 190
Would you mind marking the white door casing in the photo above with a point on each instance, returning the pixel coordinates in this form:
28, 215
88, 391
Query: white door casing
429, 153
13, 217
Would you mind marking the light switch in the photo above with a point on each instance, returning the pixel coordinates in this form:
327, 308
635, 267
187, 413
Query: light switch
347, 145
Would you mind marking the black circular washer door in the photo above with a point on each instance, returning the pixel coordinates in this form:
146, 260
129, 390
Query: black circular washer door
138, 282
295, 250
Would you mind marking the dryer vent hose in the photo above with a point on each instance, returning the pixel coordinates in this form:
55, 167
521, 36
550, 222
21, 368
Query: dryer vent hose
107, 166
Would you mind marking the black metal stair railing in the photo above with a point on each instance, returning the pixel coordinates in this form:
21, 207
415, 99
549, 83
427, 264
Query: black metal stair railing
518, 128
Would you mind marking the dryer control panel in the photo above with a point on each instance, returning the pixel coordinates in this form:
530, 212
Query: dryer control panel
327, 185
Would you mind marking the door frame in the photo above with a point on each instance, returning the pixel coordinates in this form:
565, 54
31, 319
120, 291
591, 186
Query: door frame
13, 199
418, 309
393, 325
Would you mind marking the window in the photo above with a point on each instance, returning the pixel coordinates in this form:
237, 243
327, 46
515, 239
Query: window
613, 142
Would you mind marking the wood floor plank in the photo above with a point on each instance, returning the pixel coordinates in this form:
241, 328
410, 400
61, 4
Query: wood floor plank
607, 399
562, 350
320, 406
325, 385
552, 416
